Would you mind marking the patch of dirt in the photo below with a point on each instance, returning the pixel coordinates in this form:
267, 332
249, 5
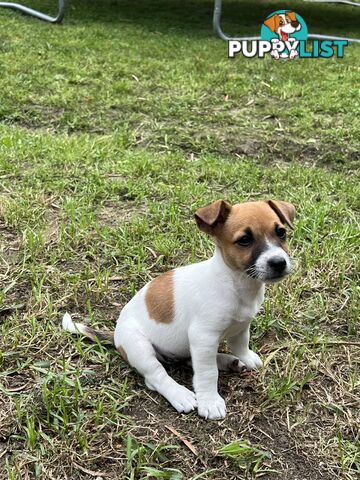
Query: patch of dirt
248, 147
225, 139
285, 150
295, 452
9, 245
51, 232
37, 117
7, 416
153, 417
113, 214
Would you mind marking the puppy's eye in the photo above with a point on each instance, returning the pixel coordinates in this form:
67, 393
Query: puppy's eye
280, 232
244, 241
281, 22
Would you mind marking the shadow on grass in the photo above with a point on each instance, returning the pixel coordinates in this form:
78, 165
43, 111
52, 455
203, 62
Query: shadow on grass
194, 17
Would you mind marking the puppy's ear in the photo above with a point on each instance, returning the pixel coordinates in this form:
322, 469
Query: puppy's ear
284, 210
291, 15
209, 217
271, 23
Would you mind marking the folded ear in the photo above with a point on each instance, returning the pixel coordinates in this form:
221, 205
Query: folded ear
209, 217
271, 23
284, 210
291, 15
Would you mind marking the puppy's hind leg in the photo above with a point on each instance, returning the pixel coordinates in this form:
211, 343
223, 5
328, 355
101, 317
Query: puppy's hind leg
229, 363
226, 363
142, 356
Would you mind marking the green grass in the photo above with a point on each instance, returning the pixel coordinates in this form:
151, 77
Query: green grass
247, 457
114, 128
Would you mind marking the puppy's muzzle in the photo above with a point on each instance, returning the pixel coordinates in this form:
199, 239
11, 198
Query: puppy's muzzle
295, 23
272, 265
277, 265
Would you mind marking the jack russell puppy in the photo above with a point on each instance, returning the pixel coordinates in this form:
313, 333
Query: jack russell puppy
185, 313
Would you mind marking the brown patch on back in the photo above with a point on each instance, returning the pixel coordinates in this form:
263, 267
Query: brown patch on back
159, 298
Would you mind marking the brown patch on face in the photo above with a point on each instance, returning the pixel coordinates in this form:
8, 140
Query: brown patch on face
122, 353
159, 298
256, 219
273, 22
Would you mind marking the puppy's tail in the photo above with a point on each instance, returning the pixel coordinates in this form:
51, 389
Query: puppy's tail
103, 336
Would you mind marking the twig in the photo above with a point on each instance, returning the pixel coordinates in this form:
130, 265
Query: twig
4, 452
186, 442
93, 473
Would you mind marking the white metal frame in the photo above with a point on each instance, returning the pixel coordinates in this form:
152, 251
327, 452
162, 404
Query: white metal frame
216, 18
35, 13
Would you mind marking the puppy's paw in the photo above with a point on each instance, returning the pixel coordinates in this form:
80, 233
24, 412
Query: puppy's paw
182, 399
210, 406
229, 363
251, 360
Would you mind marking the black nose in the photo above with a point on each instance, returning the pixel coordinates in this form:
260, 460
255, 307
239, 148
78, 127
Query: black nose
277, 264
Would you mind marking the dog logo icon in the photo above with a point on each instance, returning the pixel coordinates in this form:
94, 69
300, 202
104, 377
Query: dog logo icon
284, 35
284, 27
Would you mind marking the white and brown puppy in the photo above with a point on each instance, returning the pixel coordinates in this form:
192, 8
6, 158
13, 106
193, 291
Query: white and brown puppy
186, 312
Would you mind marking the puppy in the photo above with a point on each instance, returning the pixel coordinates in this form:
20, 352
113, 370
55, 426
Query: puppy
283, 25
185, 313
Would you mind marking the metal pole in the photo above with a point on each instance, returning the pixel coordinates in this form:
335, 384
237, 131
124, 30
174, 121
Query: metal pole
35, 13
217, 27
329, 37
224, 36
346, 2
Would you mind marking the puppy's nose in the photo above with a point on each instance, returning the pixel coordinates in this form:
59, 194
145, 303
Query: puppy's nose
277, 264
295, 23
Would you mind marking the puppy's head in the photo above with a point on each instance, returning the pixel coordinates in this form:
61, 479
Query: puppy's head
251, 236
283, 24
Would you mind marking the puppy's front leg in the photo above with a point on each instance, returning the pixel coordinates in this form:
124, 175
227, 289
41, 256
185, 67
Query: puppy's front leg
204, 347
240, 347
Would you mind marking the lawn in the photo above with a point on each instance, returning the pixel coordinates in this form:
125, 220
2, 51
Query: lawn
114, 128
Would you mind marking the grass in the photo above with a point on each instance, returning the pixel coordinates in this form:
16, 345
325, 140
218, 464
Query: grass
248, 457
114, 128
